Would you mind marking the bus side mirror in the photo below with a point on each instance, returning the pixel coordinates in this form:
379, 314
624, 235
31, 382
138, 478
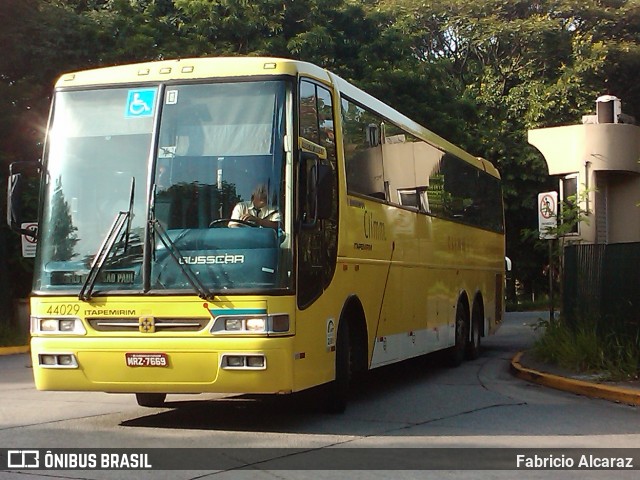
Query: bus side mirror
316, 187
19, 173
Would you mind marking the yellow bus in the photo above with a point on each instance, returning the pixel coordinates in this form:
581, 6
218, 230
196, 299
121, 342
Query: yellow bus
251, 225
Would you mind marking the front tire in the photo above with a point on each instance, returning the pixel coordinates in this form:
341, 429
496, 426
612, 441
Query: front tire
337, 392
151, 399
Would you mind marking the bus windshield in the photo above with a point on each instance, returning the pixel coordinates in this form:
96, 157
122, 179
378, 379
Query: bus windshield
214, 186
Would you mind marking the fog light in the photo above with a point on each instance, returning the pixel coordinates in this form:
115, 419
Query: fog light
235, 361
65, 360
48, 360
255, 324
255, 362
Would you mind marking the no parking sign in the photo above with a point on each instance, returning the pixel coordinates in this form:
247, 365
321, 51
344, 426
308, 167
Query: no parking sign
28, 242
547, 215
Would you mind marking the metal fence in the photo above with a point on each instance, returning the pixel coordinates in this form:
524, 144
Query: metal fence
603, 283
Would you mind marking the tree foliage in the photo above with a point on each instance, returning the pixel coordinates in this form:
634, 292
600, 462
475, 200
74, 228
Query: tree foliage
526, 64
478, 72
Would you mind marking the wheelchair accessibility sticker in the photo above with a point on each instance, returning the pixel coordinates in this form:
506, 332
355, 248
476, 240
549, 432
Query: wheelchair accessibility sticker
140, 103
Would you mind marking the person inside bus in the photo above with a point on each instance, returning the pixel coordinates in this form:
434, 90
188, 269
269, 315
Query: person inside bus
257, 210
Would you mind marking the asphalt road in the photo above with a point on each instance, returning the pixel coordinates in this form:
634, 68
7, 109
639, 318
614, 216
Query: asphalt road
417, 404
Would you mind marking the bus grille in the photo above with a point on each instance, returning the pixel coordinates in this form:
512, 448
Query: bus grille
161, 324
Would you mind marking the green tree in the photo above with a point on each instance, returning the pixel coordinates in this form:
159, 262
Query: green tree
521, 65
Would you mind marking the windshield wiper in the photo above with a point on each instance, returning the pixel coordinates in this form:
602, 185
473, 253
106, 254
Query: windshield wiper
127, 232
122, 218
202, 291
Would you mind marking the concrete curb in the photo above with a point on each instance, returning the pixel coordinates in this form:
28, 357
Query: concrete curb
14, 350
580, 387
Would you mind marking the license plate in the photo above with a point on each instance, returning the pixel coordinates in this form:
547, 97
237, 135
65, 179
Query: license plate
147, 359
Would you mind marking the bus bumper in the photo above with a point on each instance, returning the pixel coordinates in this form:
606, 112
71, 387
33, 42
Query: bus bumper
193, 365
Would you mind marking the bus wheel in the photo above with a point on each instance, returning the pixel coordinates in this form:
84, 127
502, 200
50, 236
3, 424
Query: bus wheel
337, 392
151, 399
474, 346
457, 352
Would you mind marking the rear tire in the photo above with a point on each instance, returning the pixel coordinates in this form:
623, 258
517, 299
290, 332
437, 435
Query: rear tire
457, 352
475, 345
151, 399
337, 392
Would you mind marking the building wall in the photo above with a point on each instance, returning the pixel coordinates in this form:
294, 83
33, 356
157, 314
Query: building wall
606, 157
624, 214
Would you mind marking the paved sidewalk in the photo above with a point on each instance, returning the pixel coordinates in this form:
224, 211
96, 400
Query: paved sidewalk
526, 367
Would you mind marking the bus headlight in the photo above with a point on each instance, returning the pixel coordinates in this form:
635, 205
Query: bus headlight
67, 325
256, 324
70, 326
233, 324
278, 324
49, 325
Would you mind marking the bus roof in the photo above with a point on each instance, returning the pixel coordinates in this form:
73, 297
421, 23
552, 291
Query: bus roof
191, 69
221, 67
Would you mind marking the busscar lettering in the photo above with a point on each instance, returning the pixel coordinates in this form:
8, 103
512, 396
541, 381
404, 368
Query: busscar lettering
212, 259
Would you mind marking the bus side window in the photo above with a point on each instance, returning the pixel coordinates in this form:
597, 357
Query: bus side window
363, 151
318, 201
